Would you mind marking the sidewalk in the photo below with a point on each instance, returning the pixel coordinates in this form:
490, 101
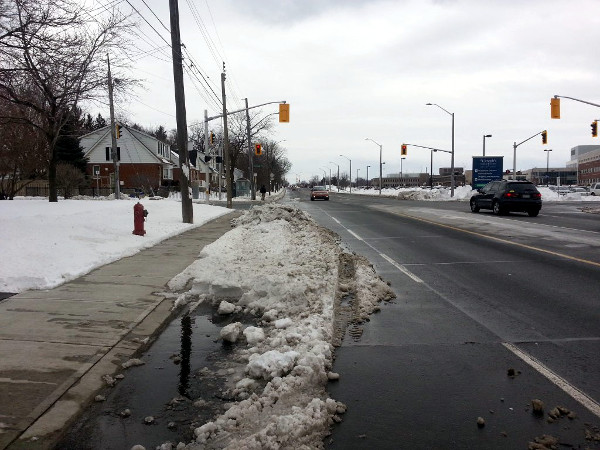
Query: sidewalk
57, 344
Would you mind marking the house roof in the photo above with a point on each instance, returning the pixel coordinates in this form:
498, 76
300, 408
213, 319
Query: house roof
101, 133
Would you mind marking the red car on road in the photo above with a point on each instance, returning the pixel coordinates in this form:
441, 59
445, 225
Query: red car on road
319, 192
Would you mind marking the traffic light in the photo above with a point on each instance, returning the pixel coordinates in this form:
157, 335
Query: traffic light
555, 108
284, 112
257, 149
544, 137
212, 137
595, 128
403, 150
117, 131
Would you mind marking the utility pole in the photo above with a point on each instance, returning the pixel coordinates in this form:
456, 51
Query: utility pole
226, 141
187, 210
250, 155
206, 153
113, 134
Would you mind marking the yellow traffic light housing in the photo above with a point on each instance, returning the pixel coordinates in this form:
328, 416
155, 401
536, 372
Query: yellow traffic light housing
544, 137
403, 150
595, 128
284, 112
117, 131
555, 108
212, 137
257, 149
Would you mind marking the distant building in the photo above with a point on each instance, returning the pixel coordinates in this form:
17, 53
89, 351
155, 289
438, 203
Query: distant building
541, 176
588, 170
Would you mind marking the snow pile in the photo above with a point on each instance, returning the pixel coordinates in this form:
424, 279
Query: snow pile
281, 267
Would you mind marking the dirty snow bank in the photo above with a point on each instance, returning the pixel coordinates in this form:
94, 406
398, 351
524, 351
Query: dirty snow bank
280, 266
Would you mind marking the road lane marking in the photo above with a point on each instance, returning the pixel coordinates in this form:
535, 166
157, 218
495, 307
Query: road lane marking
354, 234
335, 220
504, 241
401, 268
563, 384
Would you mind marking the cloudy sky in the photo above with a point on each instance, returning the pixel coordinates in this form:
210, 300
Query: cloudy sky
357, 69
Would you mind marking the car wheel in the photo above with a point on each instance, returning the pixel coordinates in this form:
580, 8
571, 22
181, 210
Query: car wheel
593, 193
474, 207
327, 199
312, 199
497, 209
533, 212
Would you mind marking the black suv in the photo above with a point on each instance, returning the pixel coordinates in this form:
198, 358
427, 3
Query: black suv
506, 195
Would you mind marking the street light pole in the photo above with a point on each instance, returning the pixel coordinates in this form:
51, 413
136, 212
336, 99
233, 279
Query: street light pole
452, 156
350, 173
485, 136
338, 175
357, 178
380, 164
368, 176
548, 150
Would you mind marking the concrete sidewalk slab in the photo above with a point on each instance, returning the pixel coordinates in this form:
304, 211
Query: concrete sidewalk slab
57, 344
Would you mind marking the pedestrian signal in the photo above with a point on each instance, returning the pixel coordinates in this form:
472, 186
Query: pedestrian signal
257, 149
403, 150
284, 112
544, 137
555, 108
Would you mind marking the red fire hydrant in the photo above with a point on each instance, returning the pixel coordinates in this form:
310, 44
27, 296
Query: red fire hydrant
139, 216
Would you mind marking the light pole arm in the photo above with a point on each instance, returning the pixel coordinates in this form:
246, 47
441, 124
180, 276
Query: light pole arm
430, 148
577, 100
529, 138
241, 110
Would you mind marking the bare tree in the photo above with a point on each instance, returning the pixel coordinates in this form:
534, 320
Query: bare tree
23, 153
68, 178
56, 49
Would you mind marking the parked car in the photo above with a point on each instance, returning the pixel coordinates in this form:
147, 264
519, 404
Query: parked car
579, 190
506, 196
595, 189
319, 192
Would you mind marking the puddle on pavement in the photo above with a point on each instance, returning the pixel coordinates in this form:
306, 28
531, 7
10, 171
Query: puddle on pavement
181, 385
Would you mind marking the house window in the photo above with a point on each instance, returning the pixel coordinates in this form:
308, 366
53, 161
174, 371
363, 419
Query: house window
108, 158
96, 170
167, 173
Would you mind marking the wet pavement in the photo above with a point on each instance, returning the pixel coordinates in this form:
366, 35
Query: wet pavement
180, 386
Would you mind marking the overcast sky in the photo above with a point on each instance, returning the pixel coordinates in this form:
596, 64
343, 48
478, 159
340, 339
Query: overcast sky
354, 69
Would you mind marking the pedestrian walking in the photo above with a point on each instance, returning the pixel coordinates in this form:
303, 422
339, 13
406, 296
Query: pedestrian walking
263, 191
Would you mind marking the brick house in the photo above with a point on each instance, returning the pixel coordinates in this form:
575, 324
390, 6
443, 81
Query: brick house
145, 162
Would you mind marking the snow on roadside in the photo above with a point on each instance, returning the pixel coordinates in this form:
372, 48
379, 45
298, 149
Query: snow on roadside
281, 267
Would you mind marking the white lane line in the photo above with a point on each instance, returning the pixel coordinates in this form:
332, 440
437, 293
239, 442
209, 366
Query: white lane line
355, 235
336, 220
571, 390
401, 268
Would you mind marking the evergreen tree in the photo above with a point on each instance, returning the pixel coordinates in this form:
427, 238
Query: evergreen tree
68, 148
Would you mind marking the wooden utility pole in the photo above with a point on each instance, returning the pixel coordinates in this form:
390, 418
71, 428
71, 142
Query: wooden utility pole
182, 136
113, 134
226, 142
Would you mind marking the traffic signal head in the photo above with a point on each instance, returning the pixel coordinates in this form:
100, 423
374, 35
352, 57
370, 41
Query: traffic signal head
544, 137
212, 137
284, 112
257, 149
595, 128
403, 150
555, 108
117, 131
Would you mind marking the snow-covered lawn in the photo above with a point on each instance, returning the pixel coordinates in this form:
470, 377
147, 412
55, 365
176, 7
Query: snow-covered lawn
45, 244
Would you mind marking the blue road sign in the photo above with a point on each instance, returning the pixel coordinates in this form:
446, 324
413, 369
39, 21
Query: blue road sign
486, 169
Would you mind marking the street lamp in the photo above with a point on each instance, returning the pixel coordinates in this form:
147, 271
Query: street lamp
380, 165
357, 178
431, 169
485, 136
350, 173
547, 165
368, 176
338, 175
452, 157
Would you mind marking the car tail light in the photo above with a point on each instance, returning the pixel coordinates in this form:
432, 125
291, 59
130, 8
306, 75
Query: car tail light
510, 195
536, 195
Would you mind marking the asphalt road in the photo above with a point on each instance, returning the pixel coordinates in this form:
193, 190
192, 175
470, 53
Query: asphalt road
477, 295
